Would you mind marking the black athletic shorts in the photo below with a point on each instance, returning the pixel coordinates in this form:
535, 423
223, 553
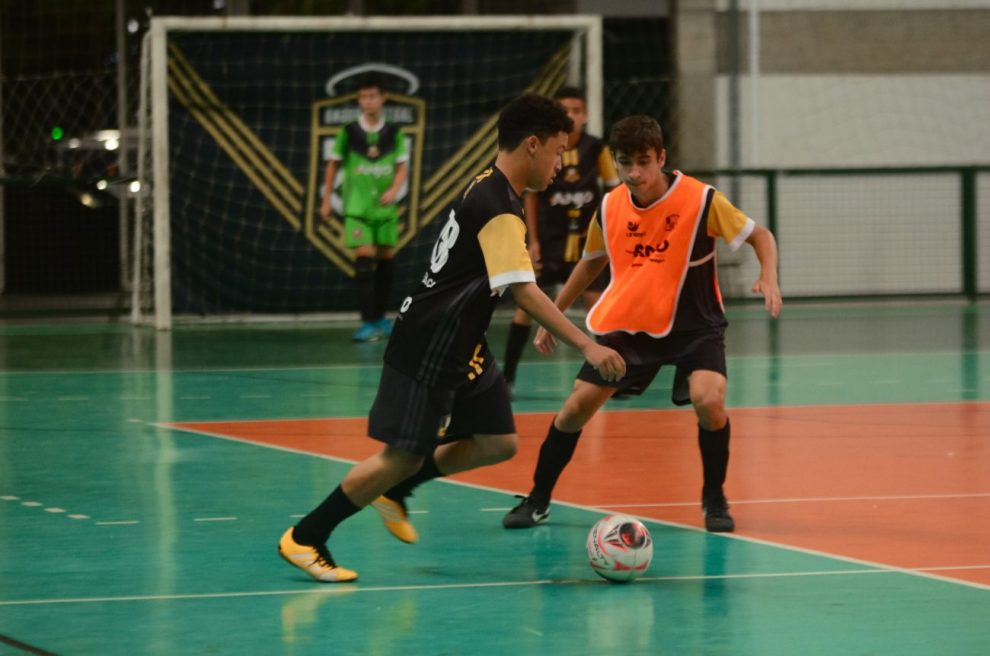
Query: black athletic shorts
413, 417
645, 355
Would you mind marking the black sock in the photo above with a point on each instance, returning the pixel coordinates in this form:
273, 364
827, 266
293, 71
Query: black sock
383, 285
514, 345
428, 471
555, 453
364, 287
315, 528
714, 447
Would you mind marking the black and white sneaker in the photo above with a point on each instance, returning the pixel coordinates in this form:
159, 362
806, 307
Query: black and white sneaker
716, 510
527, 514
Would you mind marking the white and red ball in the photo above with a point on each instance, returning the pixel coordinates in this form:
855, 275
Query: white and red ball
619, 548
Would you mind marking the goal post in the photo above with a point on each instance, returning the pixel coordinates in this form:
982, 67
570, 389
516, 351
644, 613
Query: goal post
237, 118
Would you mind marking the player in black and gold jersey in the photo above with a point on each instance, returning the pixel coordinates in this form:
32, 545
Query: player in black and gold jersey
440, 380
557, 219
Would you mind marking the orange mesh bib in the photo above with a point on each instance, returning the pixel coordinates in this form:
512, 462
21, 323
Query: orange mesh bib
649, 250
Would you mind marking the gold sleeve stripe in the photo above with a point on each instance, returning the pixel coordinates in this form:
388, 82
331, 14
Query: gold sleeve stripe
594, 246
503, 244
606, 168
728, 222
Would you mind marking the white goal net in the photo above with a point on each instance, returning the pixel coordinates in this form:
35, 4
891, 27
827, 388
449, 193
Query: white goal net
237, 117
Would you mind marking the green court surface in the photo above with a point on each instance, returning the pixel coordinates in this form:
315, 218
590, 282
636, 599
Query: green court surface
120, 534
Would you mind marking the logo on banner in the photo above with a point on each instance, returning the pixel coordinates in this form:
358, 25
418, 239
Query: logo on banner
329, 116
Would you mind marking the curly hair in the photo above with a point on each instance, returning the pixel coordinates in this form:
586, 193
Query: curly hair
531, 114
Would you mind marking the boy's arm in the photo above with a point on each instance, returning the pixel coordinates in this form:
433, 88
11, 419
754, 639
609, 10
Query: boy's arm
329, 176
765, 246
585, 271
583, 274
401, 171
531, 298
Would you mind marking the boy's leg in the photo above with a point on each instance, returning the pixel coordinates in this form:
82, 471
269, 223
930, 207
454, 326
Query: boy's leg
519, 331
305, 544
481, 432
707, 390
358, 238
556, 451
384, 273
452, 458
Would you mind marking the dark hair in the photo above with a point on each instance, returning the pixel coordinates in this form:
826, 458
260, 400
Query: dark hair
370, 81
636, 134
571, 92
531, 114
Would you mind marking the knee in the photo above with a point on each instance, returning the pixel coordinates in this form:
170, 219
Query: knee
710, 409
503, 447
574, 415
403, 463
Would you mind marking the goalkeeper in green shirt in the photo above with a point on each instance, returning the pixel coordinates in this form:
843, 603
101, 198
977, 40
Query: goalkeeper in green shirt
373, 158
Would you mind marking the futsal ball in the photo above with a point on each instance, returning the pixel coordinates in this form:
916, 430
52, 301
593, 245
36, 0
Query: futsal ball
619, 548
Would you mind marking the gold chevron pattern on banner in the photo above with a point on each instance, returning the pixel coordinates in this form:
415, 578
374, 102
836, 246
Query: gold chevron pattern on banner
287, 194
449, 180
256, 160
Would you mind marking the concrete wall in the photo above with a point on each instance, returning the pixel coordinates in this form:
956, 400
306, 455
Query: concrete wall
840, 83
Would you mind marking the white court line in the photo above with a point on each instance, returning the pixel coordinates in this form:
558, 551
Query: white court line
73, 398
348, 589
256, 396
687, 527
214, 519
737, 502
345, 588
123, 522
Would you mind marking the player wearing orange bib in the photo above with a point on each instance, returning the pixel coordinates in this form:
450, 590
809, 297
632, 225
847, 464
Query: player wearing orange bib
657, 233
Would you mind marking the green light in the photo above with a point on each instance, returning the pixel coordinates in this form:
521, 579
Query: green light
57, 133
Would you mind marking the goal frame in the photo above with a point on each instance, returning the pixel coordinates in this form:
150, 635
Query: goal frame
588, 46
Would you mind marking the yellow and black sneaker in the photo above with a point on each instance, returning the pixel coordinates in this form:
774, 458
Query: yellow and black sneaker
315, 561
396, 519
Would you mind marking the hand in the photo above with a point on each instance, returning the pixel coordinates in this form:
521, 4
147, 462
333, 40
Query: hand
325, 212
388, 197
607, 362
544, 341
772, 301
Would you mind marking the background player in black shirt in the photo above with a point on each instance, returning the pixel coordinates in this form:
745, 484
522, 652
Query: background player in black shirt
439, 376
557, 219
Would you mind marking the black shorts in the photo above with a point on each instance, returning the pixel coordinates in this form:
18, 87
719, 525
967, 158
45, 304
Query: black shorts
645, 355
410, 416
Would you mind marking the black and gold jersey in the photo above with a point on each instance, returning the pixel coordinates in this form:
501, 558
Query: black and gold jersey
439, 335
566, 207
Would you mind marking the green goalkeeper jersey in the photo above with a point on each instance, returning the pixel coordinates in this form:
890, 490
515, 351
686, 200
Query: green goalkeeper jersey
368, 160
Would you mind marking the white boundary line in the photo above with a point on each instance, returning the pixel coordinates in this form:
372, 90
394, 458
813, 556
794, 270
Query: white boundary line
735, 502
920, 572
347, 588
343, 589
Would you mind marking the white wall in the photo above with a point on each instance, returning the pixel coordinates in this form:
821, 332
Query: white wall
865, 5
860, 120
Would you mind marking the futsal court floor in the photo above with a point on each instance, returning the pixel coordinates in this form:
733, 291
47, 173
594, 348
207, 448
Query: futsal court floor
145, 479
